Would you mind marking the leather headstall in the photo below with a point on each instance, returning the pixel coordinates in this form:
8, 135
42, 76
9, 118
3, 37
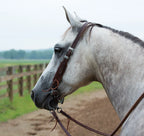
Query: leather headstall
63, 65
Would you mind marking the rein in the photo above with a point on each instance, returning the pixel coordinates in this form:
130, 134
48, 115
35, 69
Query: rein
58, 78
59, 110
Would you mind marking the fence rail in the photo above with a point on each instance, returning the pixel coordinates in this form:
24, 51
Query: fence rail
19, 78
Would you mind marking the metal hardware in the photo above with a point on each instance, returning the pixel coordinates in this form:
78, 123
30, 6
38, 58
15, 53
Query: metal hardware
71, 49
66, 57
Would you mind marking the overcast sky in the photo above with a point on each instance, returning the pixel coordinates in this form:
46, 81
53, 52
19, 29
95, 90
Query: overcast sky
39, 24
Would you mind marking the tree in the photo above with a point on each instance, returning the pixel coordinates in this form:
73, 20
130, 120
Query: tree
21, 54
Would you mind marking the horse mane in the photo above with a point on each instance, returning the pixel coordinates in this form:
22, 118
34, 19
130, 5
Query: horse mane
121, 33
124, 34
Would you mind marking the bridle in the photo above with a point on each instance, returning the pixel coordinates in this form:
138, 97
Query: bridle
58, 78
63, 65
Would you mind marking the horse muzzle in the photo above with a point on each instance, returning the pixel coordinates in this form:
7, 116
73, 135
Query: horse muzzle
49, 102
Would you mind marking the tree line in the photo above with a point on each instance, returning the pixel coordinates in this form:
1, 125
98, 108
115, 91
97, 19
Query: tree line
22, 54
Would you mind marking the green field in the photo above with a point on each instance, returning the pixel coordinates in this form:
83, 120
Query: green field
5, 63
23, 105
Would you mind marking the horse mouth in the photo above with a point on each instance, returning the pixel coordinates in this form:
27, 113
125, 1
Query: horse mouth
50, 102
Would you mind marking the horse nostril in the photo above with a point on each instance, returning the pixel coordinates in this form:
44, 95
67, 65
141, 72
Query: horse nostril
32, 95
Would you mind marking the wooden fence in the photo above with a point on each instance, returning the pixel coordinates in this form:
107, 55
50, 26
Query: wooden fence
19, 78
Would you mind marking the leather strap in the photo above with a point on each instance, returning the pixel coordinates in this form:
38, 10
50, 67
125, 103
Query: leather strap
128, 113
115, 130
61, 125
82, 125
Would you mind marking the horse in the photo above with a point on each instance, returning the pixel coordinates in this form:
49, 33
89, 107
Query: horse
112, 57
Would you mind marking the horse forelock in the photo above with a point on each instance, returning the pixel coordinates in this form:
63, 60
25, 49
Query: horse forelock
65, 33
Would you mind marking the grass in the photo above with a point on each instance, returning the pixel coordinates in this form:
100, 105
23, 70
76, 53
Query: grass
23, 105
91, 87
19, 106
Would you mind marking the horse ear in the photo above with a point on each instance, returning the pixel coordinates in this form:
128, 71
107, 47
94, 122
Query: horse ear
75, 22
78, 18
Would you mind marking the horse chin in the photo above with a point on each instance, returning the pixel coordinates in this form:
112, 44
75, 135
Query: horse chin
50, 103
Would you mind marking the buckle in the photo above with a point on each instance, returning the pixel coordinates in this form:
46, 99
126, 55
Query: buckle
59, 109
71, 49
66, 57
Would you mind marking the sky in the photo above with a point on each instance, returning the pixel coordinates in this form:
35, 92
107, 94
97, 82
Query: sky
39, 24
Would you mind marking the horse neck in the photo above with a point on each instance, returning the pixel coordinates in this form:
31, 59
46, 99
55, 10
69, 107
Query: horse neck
119, 64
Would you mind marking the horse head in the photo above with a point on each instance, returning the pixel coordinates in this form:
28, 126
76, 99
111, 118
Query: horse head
79, 70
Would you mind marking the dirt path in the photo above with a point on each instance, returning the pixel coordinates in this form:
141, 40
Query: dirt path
93, 109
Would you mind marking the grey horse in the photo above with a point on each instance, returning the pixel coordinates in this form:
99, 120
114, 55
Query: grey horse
113, 58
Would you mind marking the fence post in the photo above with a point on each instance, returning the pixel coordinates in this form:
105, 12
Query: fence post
28, 68
20, 81
46, 65
10, 84
41, 68
35, 75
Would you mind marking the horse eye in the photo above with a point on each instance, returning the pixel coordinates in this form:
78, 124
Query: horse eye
57, 49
